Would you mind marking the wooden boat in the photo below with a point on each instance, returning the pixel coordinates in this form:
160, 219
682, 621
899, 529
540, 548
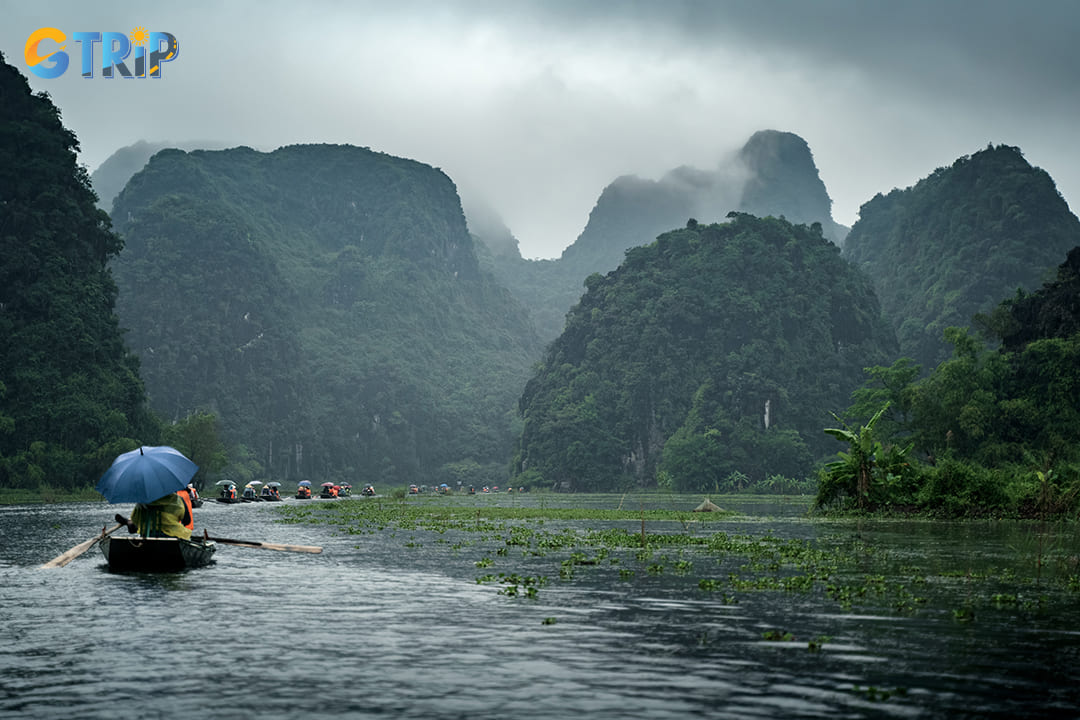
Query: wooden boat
228, 501
155, 554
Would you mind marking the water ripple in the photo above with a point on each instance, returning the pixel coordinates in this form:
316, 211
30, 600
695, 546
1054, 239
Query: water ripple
373, 628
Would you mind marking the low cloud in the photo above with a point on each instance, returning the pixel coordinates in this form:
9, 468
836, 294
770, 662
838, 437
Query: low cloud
536, 106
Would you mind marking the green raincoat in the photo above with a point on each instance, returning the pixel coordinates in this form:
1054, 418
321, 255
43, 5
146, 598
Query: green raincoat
164, 516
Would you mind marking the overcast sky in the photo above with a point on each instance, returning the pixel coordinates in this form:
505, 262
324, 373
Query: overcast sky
534, 107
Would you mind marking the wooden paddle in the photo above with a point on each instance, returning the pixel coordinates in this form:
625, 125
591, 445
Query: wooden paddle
64, 559
266, 545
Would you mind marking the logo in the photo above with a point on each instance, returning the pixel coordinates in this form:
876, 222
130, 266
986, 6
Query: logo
46, 57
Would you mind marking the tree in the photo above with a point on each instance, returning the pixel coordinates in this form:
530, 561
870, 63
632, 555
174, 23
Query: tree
72, 388
853, 472
197, 436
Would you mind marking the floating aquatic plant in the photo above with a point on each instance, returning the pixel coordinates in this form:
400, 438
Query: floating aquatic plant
777, 636
963, 614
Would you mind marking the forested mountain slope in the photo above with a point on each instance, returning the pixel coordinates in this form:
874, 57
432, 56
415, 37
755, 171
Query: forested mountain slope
327, 303
715, 349
112, 175
69, 390
959, 242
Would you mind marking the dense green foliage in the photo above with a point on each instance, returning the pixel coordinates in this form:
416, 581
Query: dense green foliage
715, 350
958, 242
773, 174
326, 304
990, 430
112, 175
70, 394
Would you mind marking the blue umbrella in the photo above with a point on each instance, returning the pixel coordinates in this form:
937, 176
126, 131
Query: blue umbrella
146, 474
304, 482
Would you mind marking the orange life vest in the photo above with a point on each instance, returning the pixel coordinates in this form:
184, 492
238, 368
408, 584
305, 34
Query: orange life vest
186, 497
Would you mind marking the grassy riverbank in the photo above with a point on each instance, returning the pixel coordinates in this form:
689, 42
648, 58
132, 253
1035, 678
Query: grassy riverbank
46, 494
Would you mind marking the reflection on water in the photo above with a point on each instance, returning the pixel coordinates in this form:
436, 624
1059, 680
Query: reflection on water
393, 622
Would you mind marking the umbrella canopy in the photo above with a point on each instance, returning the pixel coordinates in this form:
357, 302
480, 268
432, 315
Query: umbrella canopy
304, 482
277, 484
328, 484
253, 483
146, 474
224, 482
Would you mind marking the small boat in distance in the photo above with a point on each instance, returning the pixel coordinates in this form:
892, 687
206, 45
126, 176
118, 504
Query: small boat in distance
270, 492
228, 492
155, 554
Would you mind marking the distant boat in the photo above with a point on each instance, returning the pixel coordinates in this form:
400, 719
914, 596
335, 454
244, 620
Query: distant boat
155, 554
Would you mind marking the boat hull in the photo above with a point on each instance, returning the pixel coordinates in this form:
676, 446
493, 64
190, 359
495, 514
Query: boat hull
139, 554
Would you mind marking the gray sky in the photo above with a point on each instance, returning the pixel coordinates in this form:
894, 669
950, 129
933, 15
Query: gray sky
534, 107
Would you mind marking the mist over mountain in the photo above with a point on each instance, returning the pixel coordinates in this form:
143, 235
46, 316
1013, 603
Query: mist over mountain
783, 181
112, 175
487, 225
327, 304
773, 174
959, 242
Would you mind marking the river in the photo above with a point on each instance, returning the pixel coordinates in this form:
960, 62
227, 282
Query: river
389, 622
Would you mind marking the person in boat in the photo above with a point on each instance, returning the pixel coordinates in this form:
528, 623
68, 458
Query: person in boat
189, 513
167, 516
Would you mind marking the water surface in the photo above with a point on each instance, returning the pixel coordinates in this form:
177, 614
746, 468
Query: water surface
393, 623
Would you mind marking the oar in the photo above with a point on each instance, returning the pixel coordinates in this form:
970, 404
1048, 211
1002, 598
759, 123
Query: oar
62, 560
266, 545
